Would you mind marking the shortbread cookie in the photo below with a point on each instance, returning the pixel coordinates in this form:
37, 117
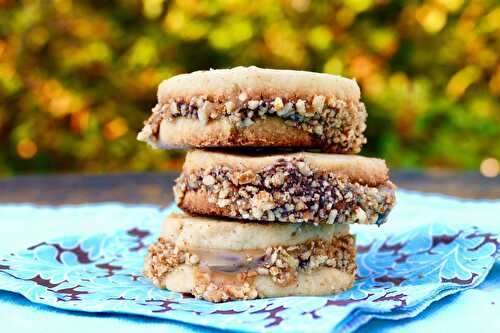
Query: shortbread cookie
250, 106
220, 260
297, 187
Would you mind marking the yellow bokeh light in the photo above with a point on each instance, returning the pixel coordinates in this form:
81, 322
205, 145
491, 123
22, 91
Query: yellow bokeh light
333, 66
359, 5
451, 5
490, 167
399, 81
462, 80
115, 128
491, 21
142, 53
152, 8
432, 18
26, 148
230, 34
9, 79
320, 37
384, 41
189, 28
175, 20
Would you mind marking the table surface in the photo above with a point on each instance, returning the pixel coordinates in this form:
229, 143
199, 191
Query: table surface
448, 314
156, 188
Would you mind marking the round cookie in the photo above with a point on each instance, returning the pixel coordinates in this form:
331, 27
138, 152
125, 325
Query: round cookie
255, 107
295, 187
220, 260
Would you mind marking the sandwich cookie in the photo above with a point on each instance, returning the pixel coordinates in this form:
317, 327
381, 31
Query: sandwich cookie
219, 260
296, 187
255, 107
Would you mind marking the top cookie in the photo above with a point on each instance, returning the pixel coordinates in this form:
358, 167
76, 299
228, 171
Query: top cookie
250, 106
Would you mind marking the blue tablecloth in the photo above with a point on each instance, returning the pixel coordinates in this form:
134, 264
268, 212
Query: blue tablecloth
25, 225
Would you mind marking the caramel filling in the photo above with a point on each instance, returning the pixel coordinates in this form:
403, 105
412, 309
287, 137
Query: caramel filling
228, 262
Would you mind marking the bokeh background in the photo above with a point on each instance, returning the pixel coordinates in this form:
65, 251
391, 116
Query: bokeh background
78, 78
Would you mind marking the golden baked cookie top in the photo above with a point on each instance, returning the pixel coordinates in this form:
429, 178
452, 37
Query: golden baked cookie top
257, 82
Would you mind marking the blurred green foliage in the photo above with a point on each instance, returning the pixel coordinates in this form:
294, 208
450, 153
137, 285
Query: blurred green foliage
78, 78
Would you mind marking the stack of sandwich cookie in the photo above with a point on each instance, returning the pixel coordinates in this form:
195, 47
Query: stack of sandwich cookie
300, 204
